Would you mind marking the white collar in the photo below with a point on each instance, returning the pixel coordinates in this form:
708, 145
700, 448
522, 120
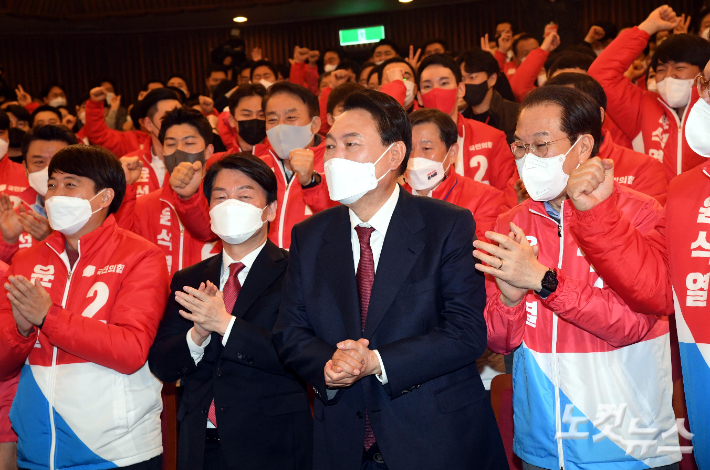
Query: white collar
247, 261
381, 220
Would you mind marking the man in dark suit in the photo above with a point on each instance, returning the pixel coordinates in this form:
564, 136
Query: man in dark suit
241, 407
382, 311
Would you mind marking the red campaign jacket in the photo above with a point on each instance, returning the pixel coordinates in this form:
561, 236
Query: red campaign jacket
653, 127
398, 91
485, 202
616, 133
227, 133
501, 58
305, 75
148, 182
596, 319
14, 183
118, 142
291, 205
323, 105
484, 154
523, 81
154, 218
631, 169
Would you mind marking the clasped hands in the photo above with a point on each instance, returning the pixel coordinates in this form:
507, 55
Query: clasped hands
352, 361
206, 311
30, 303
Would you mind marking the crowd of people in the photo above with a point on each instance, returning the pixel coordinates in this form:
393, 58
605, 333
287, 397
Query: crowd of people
521, 207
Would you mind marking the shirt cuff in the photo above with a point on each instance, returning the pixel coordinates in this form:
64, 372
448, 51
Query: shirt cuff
196, 351
228, 330
383, 376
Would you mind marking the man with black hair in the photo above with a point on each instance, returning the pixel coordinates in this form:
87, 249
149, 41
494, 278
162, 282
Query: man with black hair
97, 294
53, 95
263, 72
655, 123
293, 150
143, 145
434, 46
396, 77
383, 50
480, 74
564, 320
388, 346
179, 81
530, 73
600, 36
46, 114
244, 409
483, 153
347, 71
242, 127
214, 75
332, 58
19, 117
185, 136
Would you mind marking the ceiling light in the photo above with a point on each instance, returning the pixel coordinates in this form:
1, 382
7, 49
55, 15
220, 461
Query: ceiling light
405, 1
242, 19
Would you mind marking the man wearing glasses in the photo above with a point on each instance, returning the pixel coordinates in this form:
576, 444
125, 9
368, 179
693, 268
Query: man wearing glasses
592, 374
666, 270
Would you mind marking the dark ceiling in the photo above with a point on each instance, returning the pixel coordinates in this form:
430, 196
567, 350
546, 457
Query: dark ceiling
67, 16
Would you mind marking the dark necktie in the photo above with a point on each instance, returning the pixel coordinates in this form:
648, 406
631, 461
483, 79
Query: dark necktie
365, 278
230, 292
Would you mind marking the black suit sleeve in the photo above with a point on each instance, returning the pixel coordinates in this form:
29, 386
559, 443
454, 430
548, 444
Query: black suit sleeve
460, 337
252, 346
169, 357
296, 341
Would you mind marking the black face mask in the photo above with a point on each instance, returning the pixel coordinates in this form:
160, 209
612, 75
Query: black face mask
174, 159
252, 131
475, 94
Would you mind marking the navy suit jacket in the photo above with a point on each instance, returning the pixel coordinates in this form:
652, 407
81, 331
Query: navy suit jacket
425, 318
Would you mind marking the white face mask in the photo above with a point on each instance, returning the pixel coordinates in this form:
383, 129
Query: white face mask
544, 178
69, 214
38, 181
409, 97
348, 181
423, 173
58, 101
675, 92
266, 83
705, 34
329, 67
109, 97
284, 138
651, 85
696, 128
4, 145
235, 221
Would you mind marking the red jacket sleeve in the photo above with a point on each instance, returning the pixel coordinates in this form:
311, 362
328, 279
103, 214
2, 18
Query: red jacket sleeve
8, 250
501, 58
227, 133
651, 180
305, 75
194, 213
323, 104
624, 99
502, 162
491, 205
505, 325
600, 312
610, 241
120, 143
396, 90
126, 216
317, 197
14, 348
523, 81
135, 315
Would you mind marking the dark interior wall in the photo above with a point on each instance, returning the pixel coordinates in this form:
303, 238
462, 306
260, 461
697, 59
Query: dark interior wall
76, 60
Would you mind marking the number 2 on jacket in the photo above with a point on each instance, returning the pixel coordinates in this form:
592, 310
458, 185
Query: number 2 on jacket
101, 291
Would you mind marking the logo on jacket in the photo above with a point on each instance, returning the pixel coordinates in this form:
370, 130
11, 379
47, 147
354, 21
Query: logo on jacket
531, 309
45, 274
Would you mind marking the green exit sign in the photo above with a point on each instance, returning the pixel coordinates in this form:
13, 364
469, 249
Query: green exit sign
350, 37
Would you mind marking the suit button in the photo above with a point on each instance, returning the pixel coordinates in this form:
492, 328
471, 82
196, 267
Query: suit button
183, 370
250, 359
219, 372
358, 414
240, 356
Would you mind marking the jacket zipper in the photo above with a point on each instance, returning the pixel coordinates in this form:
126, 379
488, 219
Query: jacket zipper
285, 201
53, 374
555, 368
679, 151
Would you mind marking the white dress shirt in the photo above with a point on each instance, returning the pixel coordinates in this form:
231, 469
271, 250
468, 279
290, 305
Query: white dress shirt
380, 222
158, 167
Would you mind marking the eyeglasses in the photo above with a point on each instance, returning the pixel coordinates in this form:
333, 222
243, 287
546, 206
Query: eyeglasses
701, 83
540, 150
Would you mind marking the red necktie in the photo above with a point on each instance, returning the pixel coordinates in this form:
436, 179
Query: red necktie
365, 278
230, 293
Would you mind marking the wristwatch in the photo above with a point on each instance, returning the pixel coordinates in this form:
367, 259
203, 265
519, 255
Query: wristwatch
315, 181
548, 284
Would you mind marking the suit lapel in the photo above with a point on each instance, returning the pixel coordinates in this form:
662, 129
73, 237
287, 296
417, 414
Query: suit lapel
268, 266
402, 247
336, 259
